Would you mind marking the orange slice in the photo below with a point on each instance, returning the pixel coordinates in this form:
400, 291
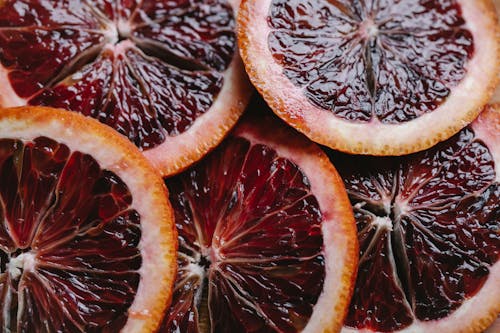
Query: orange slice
87, 237
266, 237
428, 226
166, 74
372, 77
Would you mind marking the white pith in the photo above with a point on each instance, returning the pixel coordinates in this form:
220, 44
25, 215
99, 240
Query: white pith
23, 262
369, 29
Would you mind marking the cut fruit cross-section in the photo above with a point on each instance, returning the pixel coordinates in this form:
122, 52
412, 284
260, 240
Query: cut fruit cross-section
266, 237
429, 233
87, 237
388, 77
166, 74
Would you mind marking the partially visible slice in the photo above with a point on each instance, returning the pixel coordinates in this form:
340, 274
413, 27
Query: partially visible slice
429, 233
87, 237
388, 77
166, 74
266, 237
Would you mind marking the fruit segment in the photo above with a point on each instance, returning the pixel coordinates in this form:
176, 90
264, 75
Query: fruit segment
85, 54
428, 231
87, 236
55, 273
251, 216
372, 60
259, 251
149, 69
367, 77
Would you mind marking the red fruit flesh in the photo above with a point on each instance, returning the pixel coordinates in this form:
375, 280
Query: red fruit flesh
390, 61
148, 71
250, 229
428, 231
59, 208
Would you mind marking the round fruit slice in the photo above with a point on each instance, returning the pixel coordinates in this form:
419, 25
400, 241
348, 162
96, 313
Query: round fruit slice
87, 237
429, 233
166, 74
267, 239
371, 77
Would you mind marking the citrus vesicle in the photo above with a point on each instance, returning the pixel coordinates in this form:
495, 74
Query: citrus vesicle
266, 237
428, 227
166, 74
372, 77
87, 237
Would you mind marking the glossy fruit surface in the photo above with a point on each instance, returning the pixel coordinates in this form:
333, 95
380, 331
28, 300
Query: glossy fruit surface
87, 235
266, 237
372, 77
428, 230
155, 71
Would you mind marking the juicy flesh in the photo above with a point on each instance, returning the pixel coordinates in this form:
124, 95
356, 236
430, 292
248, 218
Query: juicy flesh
148, 69
69, 254
250, 233
428, 229
388, 61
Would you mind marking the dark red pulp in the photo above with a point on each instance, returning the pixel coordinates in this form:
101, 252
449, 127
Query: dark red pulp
147, 70
428, 229
384, 60
250, 228
69, 256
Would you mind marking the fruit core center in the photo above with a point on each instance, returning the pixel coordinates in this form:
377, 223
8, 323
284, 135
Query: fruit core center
383, 222
204, 263
207, 260
368, 29
386, 213
118, 32
20, 262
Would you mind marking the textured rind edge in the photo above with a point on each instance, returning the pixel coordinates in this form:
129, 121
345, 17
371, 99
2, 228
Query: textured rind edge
114, 152
487, 128
339, 228
479, 312
178, 153
288, 102
495, 328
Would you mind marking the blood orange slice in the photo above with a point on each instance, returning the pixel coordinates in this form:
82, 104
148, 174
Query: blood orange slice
385, 77
429, 232
166, 74
87, 237
266, 237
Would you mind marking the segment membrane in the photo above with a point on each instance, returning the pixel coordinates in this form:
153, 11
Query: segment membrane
249, 215
69, 253
387, 61
147, 68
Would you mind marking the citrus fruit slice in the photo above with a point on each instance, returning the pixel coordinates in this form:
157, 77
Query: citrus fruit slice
429, 234
87, 237
166, 74
267, 239
370, 77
